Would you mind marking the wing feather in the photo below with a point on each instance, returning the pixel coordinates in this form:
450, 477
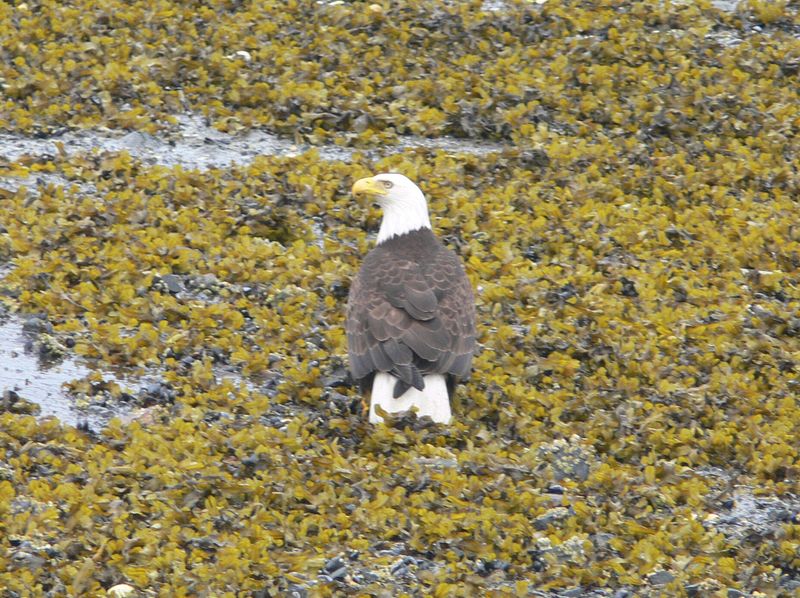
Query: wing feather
398, 352
422, 301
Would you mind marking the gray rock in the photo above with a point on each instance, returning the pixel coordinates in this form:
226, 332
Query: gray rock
206, 281
660, 578
334, 564
21, 559
551, 517
693, 589
401, 567
568, 458
338, 574
33, 324
173, 283
601, 540
788, 583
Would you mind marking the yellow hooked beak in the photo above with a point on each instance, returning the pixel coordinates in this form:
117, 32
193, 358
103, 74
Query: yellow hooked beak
369, 186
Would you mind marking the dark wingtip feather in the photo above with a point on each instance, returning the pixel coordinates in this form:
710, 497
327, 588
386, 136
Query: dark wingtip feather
400, 388
418, 382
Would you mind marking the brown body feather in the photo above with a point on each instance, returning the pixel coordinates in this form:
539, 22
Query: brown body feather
411, 312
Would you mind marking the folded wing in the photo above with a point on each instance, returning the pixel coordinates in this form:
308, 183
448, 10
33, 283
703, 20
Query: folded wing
411, 318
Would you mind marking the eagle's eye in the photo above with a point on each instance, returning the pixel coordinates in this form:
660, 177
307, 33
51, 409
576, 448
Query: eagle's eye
387, 184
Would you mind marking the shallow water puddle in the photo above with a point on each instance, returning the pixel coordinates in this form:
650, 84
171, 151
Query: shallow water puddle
31, 378
41, 381
73, 390
196, 145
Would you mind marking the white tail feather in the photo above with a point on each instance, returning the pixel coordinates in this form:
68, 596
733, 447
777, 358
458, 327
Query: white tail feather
433, 400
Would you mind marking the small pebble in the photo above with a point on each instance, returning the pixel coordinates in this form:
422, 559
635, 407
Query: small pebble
660, 578
340, 573
173, 283
333, 564
121, 590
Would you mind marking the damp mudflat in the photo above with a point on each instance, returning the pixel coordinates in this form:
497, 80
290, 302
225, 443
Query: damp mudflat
194, 144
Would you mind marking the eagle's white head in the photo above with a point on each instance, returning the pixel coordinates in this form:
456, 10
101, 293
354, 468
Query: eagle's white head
404, 206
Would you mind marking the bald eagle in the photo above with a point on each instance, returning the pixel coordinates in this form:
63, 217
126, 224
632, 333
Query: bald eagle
411, 313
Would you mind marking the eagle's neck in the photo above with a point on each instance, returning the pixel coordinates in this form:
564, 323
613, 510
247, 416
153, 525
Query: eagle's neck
404, 217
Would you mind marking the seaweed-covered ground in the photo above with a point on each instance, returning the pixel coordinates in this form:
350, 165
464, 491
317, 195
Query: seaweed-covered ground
622, 182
